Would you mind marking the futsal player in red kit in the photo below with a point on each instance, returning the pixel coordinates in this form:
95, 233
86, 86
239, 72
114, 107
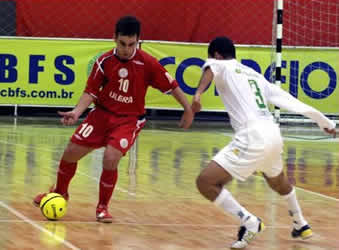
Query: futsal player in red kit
117, 85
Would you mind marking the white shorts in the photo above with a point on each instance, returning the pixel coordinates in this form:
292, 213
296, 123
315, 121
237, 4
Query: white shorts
255, 147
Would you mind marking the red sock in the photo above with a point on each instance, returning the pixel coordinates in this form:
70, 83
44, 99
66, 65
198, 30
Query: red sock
65, 174
107, 183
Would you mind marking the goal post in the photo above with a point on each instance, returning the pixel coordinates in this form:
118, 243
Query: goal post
279, 33
306, 41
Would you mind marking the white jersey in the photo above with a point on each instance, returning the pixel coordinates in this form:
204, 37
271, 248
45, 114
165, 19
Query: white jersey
241, 90
246, 94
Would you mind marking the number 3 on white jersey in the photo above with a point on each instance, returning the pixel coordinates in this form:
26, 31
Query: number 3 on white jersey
85, 130
258, 97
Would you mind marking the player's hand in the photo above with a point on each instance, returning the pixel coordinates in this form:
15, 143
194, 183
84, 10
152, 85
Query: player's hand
196, 105
331, 131
187, 118
68, 118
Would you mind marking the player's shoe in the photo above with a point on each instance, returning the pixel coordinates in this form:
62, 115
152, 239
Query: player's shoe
39, 197
245, 236
103, 215
304, 233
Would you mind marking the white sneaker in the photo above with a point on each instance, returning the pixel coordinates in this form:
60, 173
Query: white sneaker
246, 234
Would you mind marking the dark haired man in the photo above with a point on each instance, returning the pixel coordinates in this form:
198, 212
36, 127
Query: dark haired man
117, 86
257, 144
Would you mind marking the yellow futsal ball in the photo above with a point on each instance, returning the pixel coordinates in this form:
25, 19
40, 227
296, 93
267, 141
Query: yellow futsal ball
53, 206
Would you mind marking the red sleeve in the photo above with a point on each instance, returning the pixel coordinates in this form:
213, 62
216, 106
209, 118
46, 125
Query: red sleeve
95, 79
160, 78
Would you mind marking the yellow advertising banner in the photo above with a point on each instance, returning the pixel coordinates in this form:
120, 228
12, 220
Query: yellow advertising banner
311, 75
54, 72
46, 72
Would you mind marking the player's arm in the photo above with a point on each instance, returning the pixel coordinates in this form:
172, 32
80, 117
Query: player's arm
187, 117
163, 81
282, 99
90, 94
71, 117
206, 78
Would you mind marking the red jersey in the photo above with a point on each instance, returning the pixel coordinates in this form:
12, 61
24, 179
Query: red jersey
120, 86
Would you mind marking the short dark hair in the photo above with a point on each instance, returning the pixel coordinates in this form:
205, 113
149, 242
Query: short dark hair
127, 26
223, 45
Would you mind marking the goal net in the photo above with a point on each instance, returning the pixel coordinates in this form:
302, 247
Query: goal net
310, 59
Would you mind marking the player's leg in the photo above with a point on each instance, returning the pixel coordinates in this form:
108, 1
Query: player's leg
276, 179
210, 183
281, 185
68, 165
88, 136
66, 171
109, 174
119, 142
238, 160
107, 183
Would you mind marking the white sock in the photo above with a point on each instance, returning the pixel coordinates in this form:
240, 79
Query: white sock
294, 209
226, 201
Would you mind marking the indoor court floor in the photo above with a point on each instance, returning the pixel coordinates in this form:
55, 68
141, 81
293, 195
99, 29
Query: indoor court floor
156, 204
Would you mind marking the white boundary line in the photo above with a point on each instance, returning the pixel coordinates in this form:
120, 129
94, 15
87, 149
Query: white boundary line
27, 220
305, 190
318, 194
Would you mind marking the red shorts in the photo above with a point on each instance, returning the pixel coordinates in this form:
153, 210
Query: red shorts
101, 128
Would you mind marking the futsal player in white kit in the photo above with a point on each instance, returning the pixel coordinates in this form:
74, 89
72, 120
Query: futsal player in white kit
257, 144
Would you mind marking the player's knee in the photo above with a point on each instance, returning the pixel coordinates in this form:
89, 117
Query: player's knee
111, 161
284, 188
202, 182
281, 188
274, 186
279, 184
70, 154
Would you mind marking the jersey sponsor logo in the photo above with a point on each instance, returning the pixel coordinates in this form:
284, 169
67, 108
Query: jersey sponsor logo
123, 72
121, 98
169, 77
